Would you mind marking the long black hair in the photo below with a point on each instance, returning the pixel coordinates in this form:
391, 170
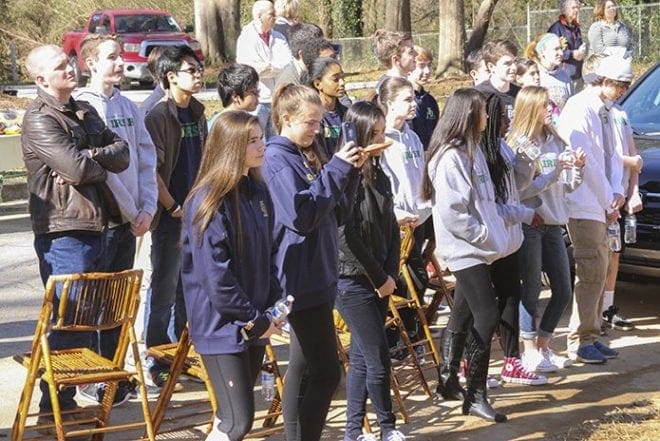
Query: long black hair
364, 115
458, 127
490, 144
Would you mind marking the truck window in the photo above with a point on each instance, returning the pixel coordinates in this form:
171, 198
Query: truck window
94, 22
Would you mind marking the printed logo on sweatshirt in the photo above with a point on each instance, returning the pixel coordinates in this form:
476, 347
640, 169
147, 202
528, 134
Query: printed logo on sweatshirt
262, 205
481, 178
190, 130
116, 123
411, 154
430, 114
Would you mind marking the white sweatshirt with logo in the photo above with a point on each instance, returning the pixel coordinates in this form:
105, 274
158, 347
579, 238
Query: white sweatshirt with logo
135, 188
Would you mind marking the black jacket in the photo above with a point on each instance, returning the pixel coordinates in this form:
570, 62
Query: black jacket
55, 137
369, 241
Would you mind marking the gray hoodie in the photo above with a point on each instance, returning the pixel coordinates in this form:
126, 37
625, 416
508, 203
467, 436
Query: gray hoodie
135, 188
468, 229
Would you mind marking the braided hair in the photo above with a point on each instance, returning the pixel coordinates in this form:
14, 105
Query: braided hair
490, 144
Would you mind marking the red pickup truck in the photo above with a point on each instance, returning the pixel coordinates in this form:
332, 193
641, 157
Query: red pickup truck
140, 30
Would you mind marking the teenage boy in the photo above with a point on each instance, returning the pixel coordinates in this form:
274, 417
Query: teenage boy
153, 64
477, 67
396, 53
500, 59
428, 113
592, 206
68, 153
238, 89
618, 122
178, 129
134, 189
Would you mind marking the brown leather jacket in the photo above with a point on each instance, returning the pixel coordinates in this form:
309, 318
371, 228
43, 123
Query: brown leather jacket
55, 137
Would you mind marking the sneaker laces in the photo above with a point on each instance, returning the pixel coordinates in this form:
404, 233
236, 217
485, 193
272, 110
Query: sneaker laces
519, 370
394, 435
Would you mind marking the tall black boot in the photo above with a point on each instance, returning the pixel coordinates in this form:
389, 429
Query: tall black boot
476, 399
449, 387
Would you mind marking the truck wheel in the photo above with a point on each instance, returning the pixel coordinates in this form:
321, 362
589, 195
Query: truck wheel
81, 80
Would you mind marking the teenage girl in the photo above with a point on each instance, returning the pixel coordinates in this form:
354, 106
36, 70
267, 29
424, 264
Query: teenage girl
227, 272
527, 73
546, 50
368, 265
327, 77
472, 235
311, 200
543, 245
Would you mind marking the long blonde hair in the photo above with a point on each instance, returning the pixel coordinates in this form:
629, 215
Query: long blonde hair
530, 106
222, 166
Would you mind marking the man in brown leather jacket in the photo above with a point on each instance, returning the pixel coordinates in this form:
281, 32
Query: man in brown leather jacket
68, 151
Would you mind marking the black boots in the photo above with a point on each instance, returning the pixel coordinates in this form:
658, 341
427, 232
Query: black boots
452, 350
476, 400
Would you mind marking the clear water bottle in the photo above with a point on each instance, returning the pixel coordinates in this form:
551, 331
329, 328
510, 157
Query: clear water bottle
281, 309
567, 175
614, 236
525, 145
267, 383
630, 229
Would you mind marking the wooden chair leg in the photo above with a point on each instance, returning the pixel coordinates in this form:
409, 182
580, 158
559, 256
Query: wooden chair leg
18, 429
168, 389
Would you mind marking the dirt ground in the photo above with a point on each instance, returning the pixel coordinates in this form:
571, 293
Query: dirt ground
619, 400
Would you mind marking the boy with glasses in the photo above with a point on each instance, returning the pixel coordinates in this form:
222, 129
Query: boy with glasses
178, 129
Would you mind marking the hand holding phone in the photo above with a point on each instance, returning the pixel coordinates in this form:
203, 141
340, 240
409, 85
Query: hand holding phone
348, 133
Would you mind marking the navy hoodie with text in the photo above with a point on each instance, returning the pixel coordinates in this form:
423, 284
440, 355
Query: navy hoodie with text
309, 207
226, 282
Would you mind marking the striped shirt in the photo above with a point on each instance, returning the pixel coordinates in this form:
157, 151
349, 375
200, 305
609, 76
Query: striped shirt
606, 38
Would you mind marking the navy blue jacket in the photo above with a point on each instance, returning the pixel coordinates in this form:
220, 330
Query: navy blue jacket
225, 287
309, 207
427, 116
573, 35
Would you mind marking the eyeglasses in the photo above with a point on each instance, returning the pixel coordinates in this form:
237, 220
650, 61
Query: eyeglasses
193, 70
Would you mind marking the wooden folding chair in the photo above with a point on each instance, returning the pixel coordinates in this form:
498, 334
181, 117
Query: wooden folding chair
442, 288
408, 373
182, 358
84, 303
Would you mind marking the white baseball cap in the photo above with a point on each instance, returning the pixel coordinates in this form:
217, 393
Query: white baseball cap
615, 68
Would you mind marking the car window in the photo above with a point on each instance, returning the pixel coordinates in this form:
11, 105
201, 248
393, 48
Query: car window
147, 23
643, 105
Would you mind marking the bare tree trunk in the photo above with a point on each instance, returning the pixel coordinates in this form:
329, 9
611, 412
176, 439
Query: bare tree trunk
451, 39
325, 17
217, 26
481, 24
397, 15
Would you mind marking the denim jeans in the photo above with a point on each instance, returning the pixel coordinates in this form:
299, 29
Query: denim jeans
543, 248
165, 291
118, 255
263, 112
66, 253
369, 370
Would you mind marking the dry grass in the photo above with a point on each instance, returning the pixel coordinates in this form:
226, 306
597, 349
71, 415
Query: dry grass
638, 422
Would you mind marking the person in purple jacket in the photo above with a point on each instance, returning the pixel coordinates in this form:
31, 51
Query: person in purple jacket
312, 198
228, 274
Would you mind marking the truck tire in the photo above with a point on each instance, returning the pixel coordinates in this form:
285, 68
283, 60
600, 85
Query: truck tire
81, 80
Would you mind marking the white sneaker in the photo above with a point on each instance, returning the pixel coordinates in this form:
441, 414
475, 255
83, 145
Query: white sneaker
557, 360
536, 361
394, 435
367, 437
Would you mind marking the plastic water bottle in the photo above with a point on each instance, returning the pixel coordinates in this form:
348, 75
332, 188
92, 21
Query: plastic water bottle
614, 236
630, 229
281, 309
567, 175
531, 150
267, 383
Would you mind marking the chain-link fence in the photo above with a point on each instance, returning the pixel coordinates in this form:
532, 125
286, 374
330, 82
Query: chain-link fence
358, 54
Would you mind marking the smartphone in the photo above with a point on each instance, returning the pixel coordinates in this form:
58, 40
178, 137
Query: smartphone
348, 132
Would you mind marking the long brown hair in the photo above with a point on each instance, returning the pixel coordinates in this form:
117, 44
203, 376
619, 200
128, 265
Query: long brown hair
222, 166
458, 127
293, 100
530, 106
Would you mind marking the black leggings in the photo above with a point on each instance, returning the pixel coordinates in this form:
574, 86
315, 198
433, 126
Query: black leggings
474, 301
505, 274
232, 377
312, 355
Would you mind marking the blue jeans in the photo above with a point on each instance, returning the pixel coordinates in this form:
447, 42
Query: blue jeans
66, 253
543, 247
165, 291
119, 255
369, 370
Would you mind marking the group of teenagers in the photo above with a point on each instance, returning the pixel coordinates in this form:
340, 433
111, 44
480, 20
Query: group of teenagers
268, 200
